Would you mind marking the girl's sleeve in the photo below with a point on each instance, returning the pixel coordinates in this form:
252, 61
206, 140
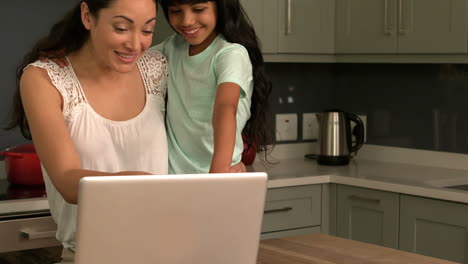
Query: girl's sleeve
233, 65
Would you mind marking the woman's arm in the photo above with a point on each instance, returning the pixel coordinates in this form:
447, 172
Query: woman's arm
43, 107
224, 126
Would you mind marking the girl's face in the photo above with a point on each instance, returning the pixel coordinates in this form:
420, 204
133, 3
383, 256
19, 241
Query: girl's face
196, 23
121, 33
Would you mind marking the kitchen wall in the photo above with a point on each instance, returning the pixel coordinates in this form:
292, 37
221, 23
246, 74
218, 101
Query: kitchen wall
419, 106
408, 105
23, 22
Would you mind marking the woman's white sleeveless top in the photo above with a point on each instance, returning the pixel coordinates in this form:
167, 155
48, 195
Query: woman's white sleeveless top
138, 144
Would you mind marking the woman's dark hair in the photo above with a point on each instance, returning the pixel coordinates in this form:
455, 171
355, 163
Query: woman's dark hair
235, 26
66, 36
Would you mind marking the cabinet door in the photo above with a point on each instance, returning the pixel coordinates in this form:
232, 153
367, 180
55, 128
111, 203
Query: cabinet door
432, 26
306, 26
434, 228
262, 14
292, 207
366, 26
366, 215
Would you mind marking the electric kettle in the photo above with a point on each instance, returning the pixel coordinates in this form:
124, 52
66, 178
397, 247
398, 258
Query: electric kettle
335, 137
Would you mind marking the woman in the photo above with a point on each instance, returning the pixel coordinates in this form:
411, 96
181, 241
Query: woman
101, 115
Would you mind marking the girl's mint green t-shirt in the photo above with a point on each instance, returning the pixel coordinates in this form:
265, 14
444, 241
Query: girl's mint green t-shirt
192, 84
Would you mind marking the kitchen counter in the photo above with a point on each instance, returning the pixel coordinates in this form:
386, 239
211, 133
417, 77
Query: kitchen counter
387, 176
390, 173
325, 249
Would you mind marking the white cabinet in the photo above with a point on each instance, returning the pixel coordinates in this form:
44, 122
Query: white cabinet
401, 26
293, 26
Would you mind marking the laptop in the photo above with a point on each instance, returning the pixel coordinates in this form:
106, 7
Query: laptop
170, 219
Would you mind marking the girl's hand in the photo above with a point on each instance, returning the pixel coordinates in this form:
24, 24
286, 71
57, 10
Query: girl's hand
58, 57
238, 168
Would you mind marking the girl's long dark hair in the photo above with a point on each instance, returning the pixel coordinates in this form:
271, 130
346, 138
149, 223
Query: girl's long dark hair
235, 26
66, 36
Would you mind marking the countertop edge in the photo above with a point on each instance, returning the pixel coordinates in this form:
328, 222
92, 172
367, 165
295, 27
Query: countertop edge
422, 191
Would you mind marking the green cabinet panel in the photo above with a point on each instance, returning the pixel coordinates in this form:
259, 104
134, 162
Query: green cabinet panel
401, 26
432, 26
293, 26
434, 228
306, 26
292, 207
260, 14
367, 215
366, 26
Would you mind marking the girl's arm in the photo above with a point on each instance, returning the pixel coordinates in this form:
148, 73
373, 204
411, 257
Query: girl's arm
43, 107
224, 126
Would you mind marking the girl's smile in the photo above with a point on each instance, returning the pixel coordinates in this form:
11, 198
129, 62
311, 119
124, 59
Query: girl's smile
196, 23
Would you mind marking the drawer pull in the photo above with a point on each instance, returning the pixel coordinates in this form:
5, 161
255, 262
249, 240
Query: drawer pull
284, 209
364, 199
33, 234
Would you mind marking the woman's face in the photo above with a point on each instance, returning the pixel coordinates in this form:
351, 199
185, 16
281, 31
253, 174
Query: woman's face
121, 33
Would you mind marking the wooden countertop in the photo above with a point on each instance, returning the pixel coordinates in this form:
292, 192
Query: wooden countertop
325, 249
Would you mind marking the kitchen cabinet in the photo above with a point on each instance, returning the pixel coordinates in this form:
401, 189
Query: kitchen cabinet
401, 26
27, 233
293, 26
367, 215
434, 228
292, 211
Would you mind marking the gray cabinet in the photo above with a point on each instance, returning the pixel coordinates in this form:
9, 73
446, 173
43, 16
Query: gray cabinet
293, 26
434, 228
367, 215
292, 211
401, 26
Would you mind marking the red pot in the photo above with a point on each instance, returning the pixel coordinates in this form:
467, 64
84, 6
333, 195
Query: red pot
22, 165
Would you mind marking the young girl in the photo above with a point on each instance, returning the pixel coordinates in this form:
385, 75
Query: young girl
217, 88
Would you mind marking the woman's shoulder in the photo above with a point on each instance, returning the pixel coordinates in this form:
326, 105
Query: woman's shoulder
153, 55
40, 70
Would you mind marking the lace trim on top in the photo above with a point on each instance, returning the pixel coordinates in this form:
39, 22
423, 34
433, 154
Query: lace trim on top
66, 83
152, 65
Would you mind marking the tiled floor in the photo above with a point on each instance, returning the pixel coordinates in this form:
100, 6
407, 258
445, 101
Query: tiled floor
32, 256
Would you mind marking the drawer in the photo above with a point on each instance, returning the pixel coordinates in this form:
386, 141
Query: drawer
27, 233
292, 207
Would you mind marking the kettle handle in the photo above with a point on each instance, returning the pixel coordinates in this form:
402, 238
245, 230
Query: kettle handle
360, 135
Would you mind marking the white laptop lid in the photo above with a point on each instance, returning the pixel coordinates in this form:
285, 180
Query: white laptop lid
169, 219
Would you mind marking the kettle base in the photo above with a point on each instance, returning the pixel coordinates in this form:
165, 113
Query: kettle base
333, 160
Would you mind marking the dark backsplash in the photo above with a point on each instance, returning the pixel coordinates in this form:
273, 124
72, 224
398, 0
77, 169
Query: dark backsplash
419, 106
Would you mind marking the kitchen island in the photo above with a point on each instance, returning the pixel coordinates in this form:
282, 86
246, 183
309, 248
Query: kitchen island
325, 249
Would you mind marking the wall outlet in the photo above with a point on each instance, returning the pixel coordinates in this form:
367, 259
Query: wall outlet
286, 127
364, 121
310, 126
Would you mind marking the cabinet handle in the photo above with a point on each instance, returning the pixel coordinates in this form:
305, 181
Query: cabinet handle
365, 199
288, 17
284, 209
388, 27
33, 234
401, 21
